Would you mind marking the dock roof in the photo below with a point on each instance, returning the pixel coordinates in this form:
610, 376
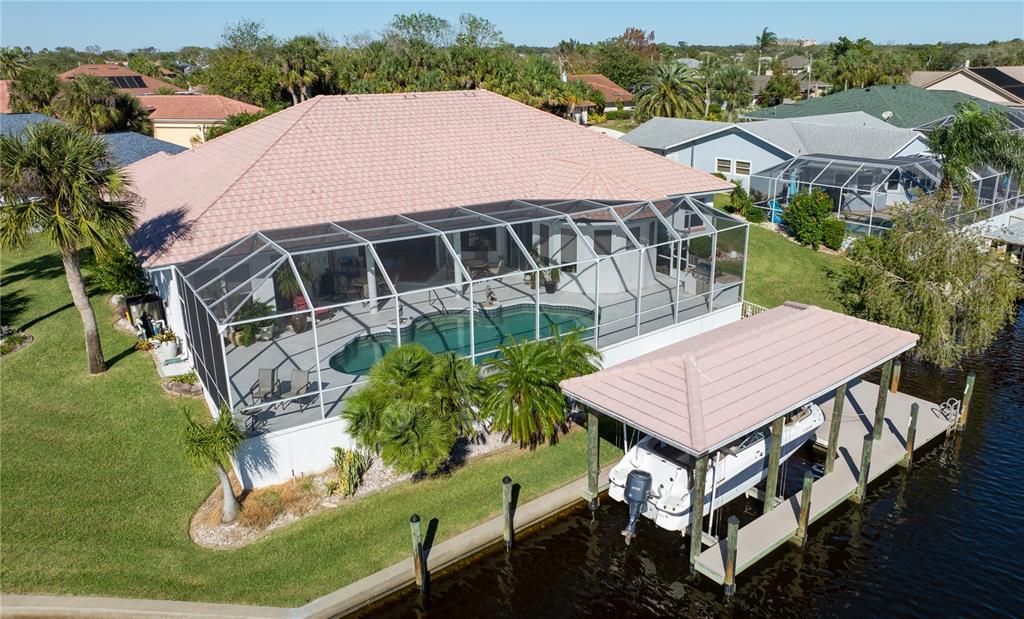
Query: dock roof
704, 392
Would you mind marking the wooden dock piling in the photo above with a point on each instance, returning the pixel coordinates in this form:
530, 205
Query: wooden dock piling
865, 468
833, 431
894, 386
876, 428
506, 508
593, 458
911, 434
697, 510
730, 555
965, 405
774, 455
419, 565
805, 510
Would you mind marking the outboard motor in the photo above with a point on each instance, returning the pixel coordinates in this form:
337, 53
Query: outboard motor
637, 491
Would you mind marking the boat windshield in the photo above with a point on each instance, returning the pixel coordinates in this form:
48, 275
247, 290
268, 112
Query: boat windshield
668, 452
753, 438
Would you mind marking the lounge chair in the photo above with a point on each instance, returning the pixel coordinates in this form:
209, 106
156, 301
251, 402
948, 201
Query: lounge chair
496, 269
266, 385
299, 384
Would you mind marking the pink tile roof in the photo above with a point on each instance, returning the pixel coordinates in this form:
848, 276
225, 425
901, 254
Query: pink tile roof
194, 107
5, 96
711, 389
338, 158
612, 92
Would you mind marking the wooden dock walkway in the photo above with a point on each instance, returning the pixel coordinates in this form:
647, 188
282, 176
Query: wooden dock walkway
768, 532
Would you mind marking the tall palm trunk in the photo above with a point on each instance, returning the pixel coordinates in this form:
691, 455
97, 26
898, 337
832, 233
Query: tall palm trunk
73, 271
230, 510
707, 99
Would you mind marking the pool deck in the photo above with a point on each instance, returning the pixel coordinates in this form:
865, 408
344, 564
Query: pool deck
769, 531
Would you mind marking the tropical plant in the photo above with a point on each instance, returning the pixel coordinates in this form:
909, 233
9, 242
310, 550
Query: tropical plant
302, 61
33, 91
58, 183
573, 355
943, 283
414, 439
231, 123
88, 102
350, 465
833, 233
131, 115
118, 272
211, 445
973, 138
780, 87
733, 86
674, 91
12, 63
764, 41
414, 407
807, 213
523, 399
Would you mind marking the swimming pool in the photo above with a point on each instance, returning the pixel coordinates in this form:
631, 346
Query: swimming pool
450, 332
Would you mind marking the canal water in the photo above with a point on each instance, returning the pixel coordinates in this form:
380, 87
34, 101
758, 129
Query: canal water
947, 540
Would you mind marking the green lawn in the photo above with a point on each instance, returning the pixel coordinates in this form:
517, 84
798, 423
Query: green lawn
97, 496
624, 125
779, 270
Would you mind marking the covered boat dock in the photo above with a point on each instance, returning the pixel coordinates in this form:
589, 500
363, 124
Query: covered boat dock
706, 392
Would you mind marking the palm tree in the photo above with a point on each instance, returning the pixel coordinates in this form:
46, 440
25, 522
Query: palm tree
58, 182
523, 398
707, 71
212, 444
766, 39
12, 63
34, 91
414, 439
673, 91
131, 116
303, 60
734, 87
458, 392
973, 138
574, 356
88, 101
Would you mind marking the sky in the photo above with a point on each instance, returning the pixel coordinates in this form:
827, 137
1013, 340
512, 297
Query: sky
170, 25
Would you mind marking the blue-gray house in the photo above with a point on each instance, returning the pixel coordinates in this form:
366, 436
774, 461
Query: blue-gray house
738, 150
125, 147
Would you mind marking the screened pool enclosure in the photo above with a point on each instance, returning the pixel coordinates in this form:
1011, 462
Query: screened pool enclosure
864, 191
284, 324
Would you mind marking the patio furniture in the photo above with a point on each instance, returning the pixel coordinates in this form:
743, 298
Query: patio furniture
496, 269
266, 384
299, 384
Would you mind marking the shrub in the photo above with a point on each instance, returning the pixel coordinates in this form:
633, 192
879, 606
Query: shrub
596, 118
119, 272
351, 466
190, 378
834, 233
261, 509
806, 214
754, 215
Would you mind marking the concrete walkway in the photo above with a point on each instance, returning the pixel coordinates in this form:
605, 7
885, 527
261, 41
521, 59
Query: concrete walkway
358, 595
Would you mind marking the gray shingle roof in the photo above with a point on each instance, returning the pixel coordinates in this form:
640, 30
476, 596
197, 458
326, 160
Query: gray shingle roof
854, 134
126, 147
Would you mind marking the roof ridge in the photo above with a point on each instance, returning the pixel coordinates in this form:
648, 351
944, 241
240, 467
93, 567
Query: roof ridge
316, 101
694, 409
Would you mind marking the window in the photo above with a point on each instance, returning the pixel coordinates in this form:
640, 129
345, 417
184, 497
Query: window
480, 240
723, 165
893, 182
603, 242
743, 167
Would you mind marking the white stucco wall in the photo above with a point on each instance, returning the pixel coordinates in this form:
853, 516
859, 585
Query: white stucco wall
961, 83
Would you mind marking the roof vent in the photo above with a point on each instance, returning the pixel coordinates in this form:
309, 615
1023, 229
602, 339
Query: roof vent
886, 115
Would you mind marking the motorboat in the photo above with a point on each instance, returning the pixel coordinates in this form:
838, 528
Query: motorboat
655, 478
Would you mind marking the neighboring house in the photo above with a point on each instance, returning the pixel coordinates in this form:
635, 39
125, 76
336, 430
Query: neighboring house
613, 93
5, 96
1002, 85
182, 119
122, 78
903, 106
738, 150
280, 249
796, 65
125, 147
813, 88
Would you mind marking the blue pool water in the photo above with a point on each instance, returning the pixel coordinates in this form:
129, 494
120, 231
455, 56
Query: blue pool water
450, 333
